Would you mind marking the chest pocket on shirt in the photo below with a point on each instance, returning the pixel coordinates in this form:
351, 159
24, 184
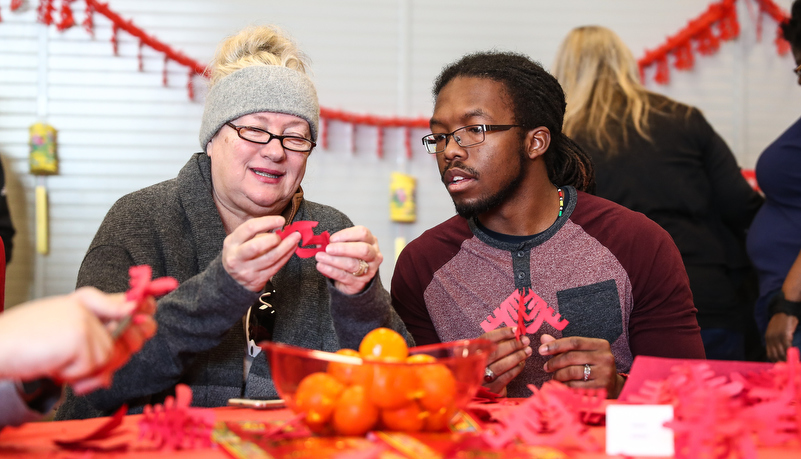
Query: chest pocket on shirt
592, 310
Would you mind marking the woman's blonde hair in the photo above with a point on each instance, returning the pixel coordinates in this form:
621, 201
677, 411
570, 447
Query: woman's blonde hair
255, 45
601, 82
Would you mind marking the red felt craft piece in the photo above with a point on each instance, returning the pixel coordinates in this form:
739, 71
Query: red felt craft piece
316, 243
175, 425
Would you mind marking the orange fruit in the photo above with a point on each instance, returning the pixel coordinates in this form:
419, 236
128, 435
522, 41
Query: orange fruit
437, 421
393, 385
420, 358
383, 343
348, 373
407, 418
354, 413
438, 386
316, 396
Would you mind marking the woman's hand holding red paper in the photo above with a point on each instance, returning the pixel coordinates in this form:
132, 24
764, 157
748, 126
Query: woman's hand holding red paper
351, 259
508, 359
571, 356
252, 253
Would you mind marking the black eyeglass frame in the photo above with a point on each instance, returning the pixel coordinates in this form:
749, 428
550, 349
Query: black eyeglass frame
280, 138
484, 129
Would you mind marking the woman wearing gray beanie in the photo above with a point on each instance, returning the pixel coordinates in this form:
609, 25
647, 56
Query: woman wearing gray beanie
213, 229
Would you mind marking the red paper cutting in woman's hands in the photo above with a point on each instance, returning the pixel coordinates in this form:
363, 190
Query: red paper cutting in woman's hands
317, 243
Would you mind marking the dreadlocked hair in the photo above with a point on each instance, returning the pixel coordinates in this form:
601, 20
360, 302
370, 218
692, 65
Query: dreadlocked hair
538, 100
791, 29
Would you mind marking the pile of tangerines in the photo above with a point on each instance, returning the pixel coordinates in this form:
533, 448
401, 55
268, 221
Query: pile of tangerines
352, 399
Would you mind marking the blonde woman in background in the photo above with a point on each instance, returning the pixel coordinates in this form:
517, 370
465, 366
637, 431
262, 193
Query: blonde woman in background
212, 228
662, 158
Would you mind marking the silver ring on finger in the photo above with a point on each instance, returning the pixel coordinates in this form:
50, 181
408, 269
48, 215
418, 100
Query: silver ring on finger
587, 371
489, 375
363, 268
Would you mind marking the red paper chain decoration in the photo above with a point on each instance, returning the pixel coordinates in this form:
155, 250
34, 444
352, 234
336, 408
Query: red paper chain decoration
67, 20
718, 23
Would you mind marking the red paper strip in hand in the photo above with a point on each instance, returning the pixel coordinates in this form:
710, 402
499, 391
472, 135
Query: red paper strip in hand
316, 243
140, 288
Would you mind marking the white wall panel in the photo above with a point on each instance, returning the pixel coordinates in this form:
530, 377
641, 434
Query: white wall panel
120, 129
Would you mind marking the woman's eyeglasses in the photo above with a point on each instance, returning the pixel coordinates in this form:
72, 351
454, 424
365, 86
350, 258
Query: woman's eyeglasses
262, 137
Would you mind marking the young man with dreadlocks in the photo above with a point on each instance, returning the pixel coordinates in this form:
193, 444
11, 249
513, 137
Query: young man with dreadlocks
529, 232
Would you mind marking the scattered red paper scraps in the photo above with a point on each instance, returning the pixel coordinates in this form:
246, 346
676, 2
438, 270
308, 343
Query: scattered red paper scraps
551, 416
172, 426
309, 243
91, 440
176, 425
721, 416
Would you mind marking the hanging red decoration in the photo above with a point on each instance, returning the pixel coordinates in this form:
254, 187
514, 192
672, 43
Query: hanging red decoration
700, 31
776, 13
703, 34
88, 20
67, 19
45, 12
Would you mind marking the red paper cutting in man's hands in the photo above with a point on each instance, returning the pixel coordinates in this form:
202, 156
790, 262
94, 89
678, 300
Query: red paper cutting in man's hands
317, 243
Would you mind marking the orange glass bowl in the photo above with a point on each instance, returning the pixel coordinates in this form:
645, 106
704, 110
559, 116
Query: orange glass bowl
421, 395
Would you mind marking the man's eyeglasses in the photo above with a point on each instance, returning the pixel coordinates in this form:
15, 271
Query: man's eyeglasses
260, 136
797, 70
466, 136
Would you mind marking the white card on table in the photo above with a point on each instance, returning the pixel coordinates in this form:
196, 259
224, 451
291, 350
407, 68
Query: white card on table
638, 430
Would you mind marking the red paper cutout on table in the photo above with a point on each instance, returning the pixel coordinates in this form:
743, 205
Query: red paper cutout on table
539, 312
176, 425
727, 416
318, 243
552, 416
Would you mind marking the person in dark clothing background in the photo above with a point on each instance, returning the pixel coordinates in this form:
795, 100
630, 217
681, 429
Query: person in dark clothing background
662, 158
6, 226
774, 242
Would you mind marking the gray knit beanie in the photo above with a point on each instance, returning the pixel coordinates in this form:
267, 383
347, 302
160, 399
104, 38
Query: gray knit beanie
259, 88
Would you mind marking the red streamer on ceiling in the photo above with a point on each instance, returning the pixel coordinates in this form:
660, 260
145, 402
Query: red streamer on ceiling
703, 34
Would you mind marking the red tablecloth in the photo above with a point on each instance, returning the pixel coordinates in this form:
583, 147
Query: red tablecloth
35, 440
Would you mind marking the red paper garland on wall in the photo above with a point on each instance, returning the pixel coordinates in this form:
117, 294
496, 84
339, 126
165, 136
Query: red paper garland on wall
703, 34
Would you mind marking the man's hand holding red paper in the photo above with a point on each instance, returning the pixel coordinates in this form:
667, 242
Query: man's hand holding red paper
508, 359
571, 354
